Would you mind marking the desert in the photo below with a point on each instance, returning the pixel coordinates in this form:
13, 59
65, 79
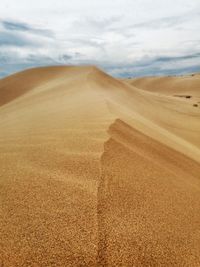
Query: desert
97, 170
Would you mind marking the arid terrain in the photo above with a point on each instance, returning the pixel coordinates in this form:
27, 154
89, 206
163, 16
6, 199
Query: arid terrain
99, 171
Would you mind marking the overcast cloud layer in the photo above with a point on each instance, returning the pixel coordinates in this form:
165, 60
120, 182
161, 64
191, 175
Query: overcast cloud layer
124, 37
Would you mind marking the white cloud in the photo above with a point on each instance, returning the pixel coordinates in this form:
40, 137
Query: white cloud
103, 32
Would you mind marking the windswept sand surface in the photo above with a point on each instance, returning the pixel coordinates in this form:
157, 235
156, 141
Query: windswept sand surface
96, 171
185, 86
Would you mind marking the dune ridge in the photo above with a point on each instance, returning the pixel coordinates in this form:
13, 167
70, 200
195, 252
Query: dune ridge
96, 172
185, 87
169, 85
122, 220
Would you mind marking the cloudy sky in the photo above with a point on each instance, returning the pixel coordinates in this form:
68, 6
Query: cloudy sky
124, 37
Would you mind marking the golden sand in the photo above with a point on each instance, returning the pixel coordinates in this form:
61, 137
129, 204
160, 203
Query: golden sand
96, 171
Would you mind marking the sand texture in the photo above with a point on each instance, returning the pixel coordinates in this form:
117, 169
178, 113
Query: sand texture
98, 171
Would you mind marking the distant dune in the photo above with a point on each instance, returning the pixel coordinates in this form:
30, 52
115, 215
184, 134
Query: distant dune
98, 171
182, 86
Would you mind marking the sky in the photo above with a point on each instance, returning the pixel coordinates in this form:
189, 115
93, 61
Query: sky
126, 38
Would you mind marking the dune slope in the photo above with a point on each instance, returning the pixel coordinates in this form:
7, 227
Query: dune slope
185, 87
96, 172
143, 194
186, 84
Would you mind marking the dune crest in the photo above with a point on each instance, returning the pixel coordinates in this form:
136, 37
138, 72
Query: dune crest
143, 190
96, 172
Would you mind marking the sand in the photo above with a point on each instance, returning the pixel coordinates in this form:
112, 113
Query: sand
185, 86
96, 171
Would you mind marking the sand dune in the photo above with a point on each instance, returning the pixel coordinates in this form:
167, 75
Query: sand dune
185, 87
188, 84
97, 171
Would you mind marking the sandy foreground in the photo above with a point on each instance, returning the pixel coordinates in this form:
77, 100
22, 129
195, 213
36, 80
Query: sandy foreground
96, 171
